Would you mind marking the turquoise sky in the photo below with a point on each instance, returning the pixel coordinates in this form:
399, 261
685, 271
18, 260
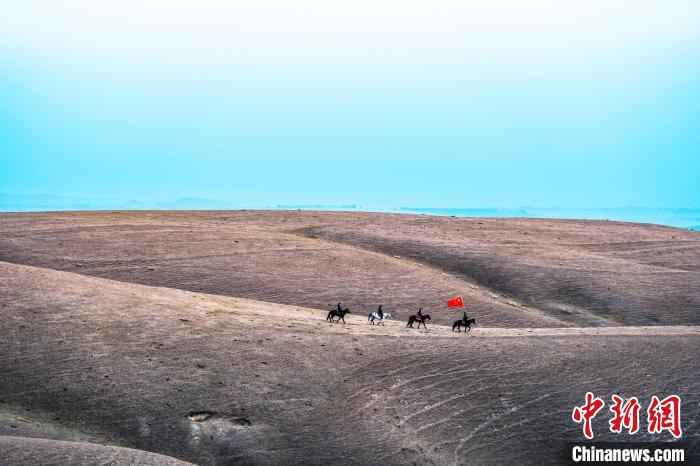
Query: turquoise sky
381, 103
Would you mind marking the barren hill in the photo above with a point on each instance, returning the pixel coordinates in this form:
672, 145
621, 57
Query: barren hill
155, 337
213, 379
511, 272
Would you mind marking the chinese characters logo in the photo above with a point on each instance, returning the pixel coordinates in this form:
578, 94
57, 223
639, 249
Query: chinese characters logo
661, 415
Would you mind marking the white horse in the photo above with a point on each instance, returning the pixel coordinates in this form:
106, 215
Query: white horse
372, 316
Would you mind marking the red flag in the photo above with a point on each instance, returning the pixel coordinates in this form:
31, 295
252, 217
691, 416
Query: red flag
456, 302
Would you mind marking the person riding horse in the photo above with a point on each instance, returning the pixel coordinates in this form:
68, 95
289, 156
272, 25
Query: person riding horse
379, 315
465, 318
419, 316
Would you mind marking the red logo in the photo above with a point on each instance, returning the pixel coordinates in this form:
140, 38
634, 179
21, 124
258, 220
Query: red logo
587, 412
626, 415
665, 415
661, 415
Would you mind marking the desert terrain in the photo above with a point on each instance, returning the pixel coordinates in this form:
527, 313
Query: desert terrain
172, 337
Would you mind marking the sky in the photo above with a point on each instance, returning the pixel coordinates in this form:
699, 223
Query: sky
378, 103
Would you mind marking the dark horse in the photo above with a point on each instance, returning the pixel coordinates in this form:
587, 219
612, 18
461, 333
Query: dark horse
340, 315
467, 323
414, 318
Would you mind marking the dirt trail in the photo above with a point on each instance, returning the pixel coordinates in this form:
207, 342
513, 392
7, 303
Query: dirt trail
260, 313
268, 312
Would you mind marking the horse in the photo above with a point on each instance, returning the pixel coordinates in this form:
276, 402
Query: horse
340, 315
414, 318
466, 322
374, 315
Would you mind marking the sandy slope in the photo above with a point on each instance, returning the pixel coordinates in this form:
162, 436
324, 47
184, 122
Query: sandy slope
106, 362
40, 452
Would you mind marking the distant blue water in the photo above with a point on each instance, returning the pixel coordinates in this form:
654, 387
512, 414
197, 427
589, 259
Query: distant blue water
681, 218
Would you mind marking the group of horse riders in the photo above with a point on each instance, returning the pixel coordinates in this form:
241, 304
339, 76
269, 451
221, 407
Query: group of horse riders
418, 317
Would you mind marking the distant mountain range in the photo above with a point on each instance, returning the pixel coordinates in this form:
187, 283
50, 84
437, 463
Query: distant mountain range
44, 202
198, 203
317, 206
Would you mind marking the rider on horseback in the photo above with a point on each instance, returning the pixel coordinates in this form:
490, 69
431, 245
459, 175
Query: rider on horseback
419, 316
465, 318
380, 312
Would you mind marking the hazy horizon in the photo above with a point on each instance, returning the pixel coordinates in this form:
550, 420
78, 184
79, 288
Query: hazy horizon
677, 217
282, 204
